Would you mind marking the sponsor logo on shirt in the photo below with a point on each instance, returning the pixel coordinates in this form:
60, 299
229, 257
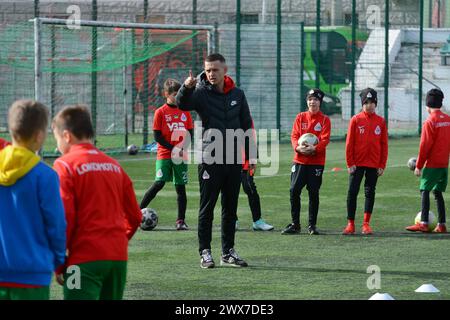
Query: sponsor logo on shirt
233, 103
168, 117
377, 130
95, 166
442, 124
318, 127
176, 126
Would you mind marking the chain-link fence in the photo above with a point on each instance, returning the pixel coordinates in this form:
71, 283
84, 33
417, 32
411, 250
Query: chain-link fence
275, 49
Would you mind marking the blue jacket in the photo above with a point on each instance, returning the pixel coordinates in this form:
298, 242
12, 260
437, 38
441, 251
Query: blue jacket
32, 221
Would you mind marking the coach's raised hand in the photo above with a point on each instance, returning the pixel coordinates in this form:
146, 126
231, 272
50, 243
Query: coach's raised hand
190, 81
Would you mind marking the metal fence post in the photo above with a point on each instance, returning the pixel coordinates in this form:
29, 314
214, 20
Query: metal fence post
302, 66
317, 43
419, 125
238, 42
386, 63
279, 64
94, 72
352, 73
37, 59
145, 82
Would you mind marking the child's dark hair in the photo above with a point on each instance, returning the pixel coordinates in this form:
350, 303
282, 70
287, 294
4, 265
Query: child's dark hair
76, 119
26, 118
171, 86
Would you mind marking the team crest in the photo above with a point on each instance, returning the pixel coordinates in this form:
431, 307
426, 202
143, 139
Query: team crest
183, 117
293, 168
377, 130
318, 127
159, 174
205, 175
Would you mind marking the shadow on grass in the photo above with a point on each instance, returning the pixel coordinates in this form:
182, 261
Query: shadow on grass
377, 234
418, 274
324, 233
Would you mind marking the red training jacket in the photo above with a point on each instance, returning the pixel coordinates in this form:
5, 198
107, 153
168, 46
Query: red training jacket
434, 147
317, 124
172, 122
367, 141
101, 209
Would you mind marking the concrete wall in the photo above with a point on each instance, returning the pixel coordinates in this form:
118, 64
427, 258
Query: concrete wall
403, 101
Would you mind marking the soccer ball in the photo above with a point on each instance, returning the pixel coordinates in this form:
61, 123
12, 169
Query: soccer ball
432, 222
308, 138
132, 149
149, 219
412, 164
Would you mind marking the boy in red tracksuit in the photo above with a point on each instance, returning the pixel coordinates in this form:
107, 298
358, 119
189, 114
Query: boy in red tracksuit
309, 161
432, 162
366, 152
3, 143
101, 210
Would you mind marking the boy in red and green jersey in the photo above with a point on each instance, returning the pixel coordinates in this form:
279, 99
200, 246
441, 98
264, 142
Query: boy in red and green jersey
432, 162
101, 210
172, 129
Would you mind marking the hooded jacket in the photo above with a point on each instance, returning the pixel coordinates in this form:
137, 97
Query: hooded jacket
32, 223
3, 143
220, 111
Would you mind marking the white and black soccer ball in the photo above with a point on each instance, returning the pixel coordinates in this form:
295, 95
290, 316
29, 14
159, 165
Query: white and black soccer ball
149, 219
308, 138
132, 149
412, 164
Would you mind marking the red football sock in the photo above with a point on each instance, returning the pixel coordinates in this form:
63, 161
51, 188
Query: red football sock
367, 217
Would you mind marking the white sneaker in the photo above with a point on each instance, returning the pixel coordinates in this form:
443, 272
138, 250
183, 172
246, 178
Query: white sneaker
261, 225
206, 260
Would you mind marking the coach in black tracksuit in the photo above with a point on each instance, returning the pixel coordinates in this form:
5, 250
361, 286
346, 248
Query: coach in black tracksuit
221, 106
